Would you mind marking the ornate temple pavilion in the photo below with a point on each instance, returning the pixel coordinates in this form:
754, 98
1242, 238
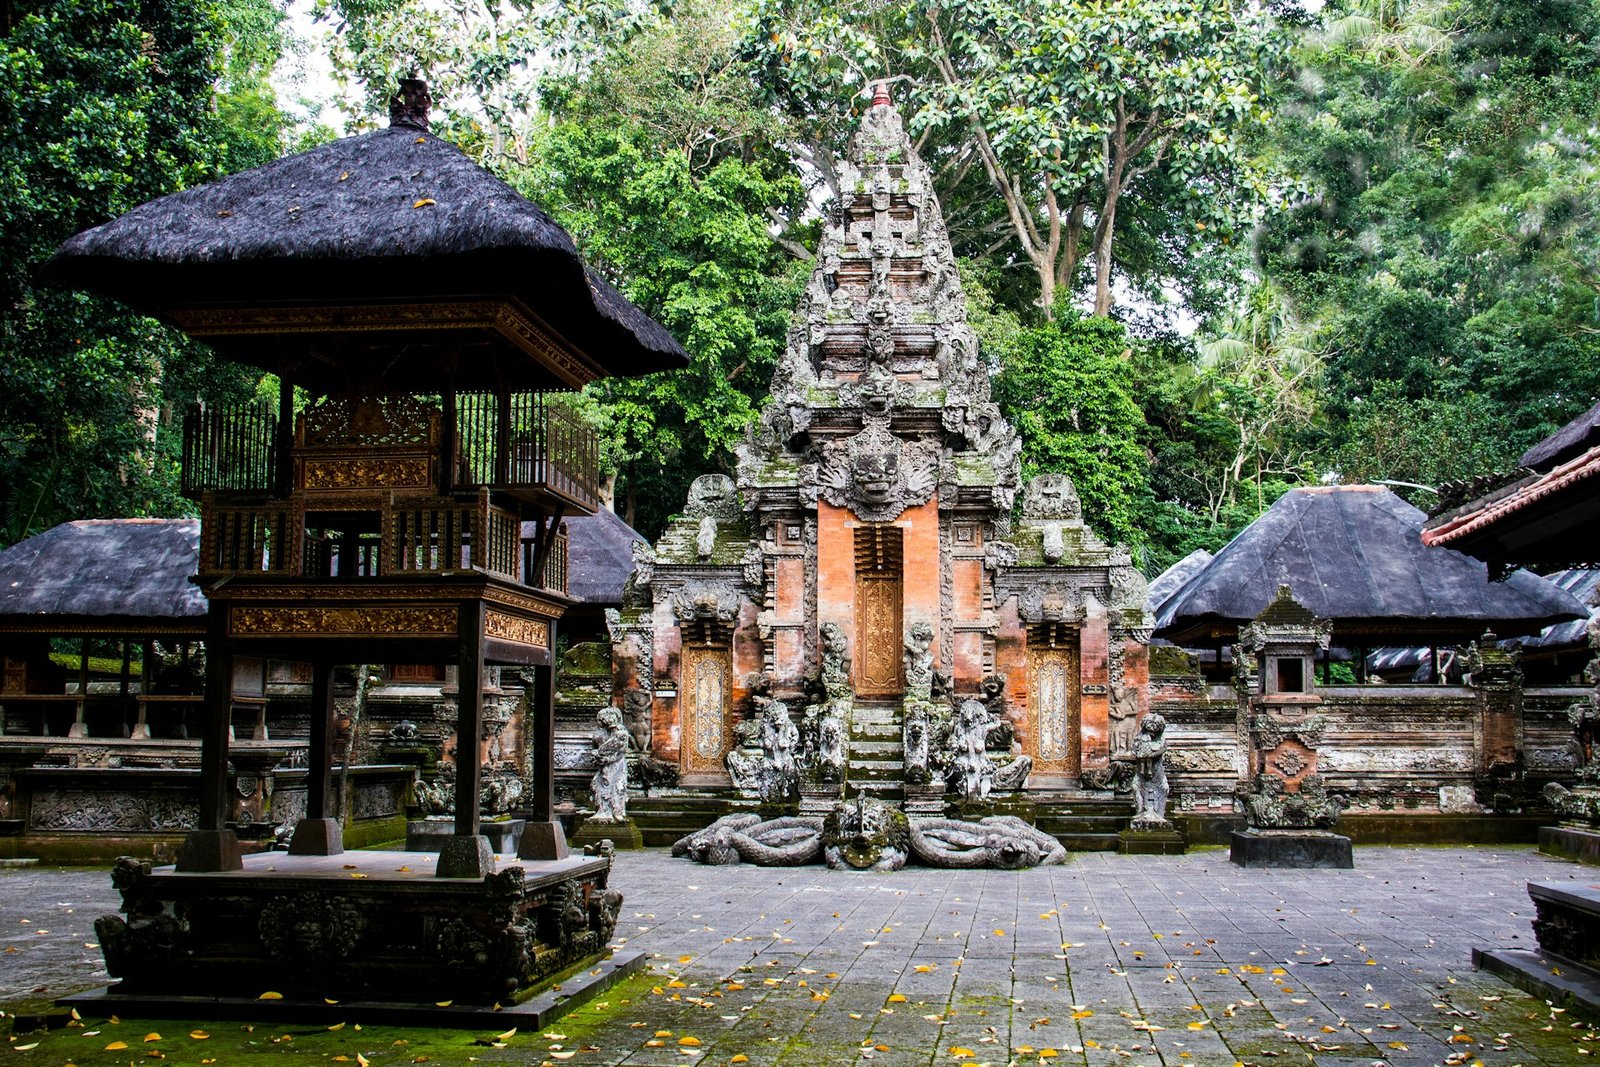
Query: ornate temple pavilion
430, 316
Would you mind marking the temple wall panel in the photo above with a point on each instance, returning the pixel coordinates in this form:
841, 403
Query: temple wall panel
1094, 680
836, 567
1011, 663
790, 600
921, 583
967, 671
665, 730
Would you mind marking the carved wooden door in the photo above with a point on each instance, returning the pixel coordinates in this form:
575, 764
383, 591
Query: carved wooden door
879, 623
1053, 706
703, 699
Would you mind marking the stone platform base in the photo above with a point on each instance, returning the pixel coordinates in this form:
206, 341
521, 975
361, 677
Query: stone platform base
1150, 843
374, 927
1575, 988
1290, 848
622, 835
562, 994
1570, 843
430, 835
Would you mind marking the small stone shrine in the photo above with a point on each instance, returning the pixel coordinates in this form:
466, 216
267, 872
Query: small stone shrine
1289, 812
854, 631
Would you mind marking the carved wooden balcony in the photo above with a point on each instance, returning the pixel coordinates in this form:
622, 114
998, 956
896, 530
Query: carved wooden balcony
517, 444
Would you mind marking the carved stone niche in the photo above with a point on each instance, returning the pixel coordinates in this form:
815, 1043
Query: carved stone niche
876, 474
707, 609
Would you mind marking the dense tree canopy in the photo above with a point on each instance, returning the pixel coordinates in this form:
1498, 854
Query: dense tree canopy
1216, 249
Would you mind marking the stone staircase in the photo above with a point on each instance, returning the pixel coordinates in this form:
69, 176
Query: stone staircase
875, 762
1087, 822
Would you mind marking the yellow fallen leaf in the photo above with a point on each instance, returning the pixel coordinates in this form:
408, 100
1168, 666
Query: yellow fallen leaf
1048, 1054
402, 870
685, 959
675, 984
270, 996
424, 202
199, 1035
344, 175
507, 1036
25, 1048
116, 1045
562, 1055
962, 1053
1201, 1025
337, 1026
1084, 1014
328, 1000
361, 1061
734, 987
654, 1043
152, 1036
740, 1058
923, 968
689, 1042
1400, 1046
896, 998
999, 932
443, 1003
663, 1033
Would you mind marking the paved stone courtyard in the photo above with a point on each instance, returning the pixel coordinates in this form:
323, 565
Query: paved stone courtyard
1106, 960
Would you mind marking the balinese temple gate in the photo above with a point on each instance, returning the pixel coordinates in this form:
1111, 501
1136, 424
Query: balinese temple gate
858, 618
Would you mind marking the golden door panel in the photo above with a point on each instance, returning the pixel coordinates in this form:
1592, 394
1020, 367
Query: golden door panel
878, 629
704, 697
1053, 689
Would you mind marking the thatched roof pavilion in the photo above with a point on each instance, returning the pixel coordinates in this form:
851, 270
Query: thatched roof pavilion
389, 253
105, 575
1353, 554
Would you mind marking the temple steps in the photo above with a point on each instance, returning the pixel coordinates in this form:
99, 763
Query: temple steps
875, 763
1085, 825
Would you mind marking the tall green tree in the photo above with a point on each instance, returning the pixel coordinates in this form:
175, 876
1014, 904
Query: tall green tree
104, 104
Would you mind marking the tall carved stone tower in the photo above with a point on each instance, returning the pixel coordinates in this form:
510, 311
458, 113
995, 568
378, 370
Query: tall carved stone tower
869, 532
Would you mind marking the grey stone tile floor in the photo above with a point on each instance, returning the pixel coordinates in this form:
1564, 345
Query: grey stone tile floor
1105, 960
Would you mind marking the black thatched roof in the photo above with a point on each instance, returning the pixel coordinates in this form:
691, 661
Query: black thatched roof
1353, 554
1569, 442
115, 570
599, 556
396, 215
1175, 577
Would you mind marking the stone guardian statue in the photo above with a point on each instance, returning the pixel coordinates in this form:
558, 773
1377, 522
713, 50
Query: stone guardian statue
610, 782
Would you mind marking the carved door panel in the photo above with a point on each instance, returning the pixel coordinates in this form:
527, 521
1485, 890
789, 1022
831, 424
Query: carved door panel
704, 697
1053, 707
879, 622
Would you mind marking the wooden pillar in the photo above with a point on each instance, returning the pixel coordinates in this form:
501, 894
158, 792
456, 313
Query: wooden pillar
80, 724
543, 838
141, 722
319, 834
467, 855
285, 435
211, 846
447, 440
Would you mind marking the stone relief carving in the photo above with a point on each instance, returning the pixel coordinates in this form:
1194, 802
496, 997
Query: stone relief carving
1051, 496
876, 474
778, 775
311, 930
865, 835
706, 600
1124, 715
971, 773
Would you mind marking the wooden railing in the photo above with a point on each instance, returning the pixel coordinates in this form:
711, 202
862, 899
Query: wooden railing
230, 447
527, 444
419, 535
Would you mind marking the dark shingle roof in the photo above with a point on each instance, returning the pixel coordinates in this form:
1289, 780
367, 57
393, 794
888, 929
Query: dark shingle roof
105, 568
1353, 554
342, 222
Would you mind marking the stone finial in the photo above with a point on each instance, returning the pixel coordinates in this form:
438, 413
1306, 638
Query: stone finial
409, 106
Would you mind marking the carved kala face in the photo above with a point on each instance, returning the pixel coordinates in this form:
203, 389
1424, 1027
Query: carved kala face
876, 474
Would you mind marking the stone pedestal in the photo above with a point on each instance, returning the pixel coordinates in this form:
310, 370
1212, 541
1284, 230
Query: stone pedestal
1290, 848
1151, 842
323, 837
210, 850
819, 799
430, 834
622, 835
925, 801
1570, 842
465, 857
543, 840
1566, 969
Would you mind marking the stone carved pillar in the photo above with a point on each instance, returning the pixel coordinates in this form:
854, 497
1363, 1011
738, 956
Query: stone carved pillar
1496, 675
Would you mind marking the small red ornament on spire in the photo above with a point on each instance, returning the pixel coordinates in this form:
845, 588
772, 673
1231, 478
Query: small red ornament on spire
880, 94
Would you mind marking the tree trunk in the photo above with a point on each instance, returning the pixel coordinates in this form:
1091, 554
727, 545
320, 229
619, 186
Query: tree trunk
1102, 256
